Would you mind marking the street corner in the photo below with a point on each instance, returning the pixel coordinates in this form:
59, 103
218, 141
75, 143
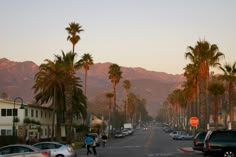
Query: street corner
187, 149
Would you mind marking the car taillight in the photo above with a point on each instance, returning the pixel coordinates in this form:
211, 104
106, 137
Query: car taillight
46, 154
196, 142
208, 145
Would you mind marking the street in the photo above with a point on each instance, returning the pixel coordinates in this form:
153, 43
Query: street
151, 143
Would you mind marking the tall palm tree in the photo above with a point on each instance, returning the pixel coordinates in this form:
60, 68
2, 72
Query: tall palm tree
205, 56
126, 86
67, 61
86, 61
216, 89
48, 88
115, 74
74, 30
109, 96
230, 76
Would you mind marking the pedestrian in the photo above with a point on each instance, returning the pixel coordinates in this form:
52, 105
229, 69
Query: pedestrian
27, 140
104, 139
94, 146
88, 143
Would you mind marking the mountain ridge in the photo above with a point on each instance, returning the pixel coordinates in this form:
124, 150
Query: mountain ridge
17, 79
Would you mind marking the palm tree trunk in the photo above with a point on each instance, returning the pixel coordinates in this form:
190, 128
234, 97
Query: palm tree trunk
216, 111
202, 103
68, 101
85, 83
231, 101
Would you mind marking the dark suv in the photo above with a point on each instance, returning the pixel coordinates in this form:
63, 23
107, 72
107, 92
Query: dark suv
198, 141
221, 142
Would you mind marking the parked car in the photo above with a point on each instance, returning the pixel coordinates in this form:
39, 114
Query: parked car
183, 136
125, 132
198, 141
174, 133
23, 150
56, 149
118, 134
220, 143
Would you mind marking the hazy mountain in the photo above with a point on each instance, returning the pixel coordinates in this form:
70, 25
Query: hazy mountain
17, 79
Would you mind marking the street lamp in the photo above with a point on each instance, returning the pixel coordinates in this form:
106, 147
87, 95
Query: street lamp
14, 118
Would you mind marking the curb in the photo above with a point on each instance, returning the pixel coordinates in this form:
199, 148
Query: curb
187, 150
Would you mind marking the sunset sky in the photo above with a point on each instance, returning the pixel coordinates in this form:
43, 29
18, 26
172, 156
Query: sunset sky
152, 34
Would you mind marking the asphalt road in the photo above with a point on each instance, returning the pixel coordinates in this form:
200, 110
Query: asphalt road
151, 143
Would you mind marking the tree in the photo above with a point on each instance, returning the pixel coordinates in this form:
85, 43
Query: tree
216, 89
48, 87
86, 61
230, 76
70, 80
74, 30
115, 74
126, 86
204, 55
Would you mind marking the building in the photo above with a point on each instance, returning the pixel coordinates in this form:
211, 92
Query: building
33, 120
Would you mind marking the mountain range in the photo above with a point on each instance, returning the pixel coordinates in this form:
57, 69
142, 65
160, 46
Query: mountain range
17, 79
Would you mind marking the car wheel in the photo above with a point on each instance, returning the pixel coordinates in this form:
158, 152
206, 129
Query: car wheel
229, 153
60, 156
205, 153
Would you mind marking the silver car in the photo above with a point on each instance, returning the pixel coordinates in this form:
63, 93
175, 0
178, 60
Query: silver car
57, 149
22, 150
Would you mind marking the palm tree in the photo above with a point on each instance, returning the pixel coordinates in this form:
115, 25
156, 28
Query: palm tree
48, 88
230, 76
205, 56
70, 81
126, 86
86, 61
115, 74
74, 30
109, 97
216, 89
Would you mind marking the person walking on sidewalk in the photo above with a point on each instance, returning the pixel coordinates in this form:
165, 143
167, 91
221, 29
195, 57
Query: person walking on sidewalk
88, 143
94, 146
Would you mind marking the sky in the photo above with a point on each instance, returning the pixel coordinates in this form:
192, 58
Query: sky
152, 34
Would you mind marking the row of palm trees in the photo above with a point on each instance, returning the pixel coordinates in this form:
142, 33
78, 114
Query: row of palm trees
57, 84
192, 99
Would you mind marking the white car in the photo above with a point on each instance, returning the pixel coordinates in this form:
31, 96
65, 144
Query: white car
56, 149
174, 133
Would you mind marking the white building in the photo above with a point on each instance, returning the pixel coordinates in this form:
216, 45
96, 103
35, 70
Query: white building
28, 118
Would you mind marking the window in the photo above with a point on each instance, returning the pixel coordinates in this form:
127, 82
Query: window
32, 113
9, 112
41, 114
36, 113
4, 112
3, 132
26, 112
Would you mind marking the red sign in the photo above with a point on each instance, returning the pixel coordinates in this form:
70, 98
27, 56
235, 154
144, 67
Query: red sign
194, 121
